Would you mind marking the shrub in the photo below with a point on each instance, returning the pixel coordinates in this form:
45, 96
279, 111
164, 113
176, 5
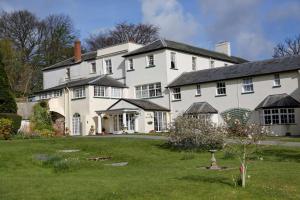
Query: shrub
41, 119
16, 121
191, 133
5, 128
7, 100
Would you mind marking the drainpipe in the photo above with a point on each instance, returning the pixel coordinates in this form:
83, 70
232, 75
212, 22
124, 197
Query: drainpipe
69, 111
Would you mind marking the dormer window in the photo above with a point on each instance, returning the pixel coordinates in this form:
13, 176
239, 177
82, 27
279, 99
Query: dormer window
68, 74
108, 66
173, 60
93, 68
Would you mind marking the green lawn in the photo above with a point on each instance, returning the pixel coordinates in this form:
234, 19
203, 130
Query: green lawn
153, 172
284, 138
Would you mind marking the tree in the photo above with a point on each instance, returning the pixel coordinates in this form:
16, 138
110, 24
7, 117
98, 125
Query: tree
291, 46
124, 32
7, 100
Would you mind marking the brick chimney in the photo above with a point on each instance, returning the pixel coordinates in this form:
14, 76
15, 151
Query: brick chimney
77, 51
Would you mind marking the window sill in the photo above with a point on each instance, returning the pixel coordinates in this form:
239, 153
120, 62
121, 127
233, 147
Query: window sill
176, 100
130, 70
73, 99
92, 72
150, 66
276, 86
99, 97
152, 97
174, 68
220, 95
109, 73
197, 95
248, 92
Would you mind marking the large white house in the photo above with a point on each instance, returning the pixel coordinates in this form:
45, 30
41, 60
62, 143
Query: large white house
134, 88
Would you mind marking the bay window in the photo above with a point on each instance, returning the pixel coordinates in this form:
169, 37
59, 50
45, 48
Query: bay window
100, 91
116, 92
78, 92
279, 116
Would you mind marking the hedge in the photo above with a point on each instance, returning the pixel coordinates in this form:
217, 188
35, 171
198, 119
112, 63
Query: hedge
16, 120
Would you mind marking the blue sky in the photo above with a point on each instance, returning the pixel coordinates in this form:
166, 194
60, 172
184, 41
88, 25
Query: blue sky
253, 27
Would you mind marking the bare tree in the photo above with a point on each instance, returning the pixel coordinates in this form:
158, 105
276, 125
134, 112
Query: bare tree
291, 46
124, 32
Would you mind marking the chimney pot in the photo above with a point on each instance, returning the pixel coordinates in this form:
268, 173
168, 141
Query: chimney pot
77, 51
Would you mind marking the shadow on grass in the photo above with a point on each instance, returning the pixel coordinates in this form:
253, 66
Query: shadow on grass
205, 179
169, 147
281, 155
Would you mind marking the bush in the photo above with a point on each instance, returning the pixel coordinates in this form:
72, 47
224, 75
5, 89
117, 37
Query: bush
16, 121
5, 128
191, 133
41, 119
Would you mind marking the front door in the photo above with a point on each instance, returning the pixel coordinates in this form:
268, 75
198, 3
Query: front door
76, 124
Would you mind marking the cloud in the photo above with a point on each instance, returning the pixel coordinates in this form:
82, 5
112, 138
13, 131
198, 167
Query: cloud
239, 22
174, 22
285, 11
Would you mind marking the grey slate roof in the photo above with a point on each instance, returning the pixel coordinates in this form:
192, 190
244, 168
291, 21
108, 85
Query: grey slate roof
201, 108
168, 44
143, 104
278, 101
238, 71
70, 61
102, 80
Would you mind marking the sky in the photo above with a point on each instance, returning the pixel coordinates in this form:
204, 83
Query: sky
253, 27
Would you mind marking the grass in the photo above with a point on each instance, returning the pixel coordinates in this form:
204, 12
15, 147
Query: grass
35, 169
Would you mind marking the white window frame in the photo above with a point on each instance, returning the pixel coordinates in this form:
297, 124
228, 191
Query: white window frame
68, 74
247, 86
211, 63
57, 93
151, 90
79, 92
108, 66
116, 92
221, 88
198, 90
176, 94
276, 81
93, 68
100, 91
150, 60
194, 63
160, 121
278, 116
130, 64
173, 60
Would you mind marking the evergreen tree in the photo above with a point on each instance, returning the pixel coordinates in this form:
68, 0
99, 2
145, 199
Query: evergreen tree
7, 100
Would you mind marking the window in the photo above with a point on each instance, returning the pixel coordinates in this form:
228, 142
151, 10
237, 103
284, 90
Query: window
279, 116
276, 82
57, 93
78, 92
93, 68
247, 85
212, 63
76, 124
44, 96
194, 63
176, 94
202, 117
221, 88
198, 90
130, 64
108, 66
173, 60
148, 90
160, 121
150, 61
116, 92
68, 74
100, 91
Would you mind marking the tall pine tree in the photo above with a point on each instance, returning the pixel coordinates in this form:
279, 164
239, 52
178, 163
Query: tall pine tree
7, 100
